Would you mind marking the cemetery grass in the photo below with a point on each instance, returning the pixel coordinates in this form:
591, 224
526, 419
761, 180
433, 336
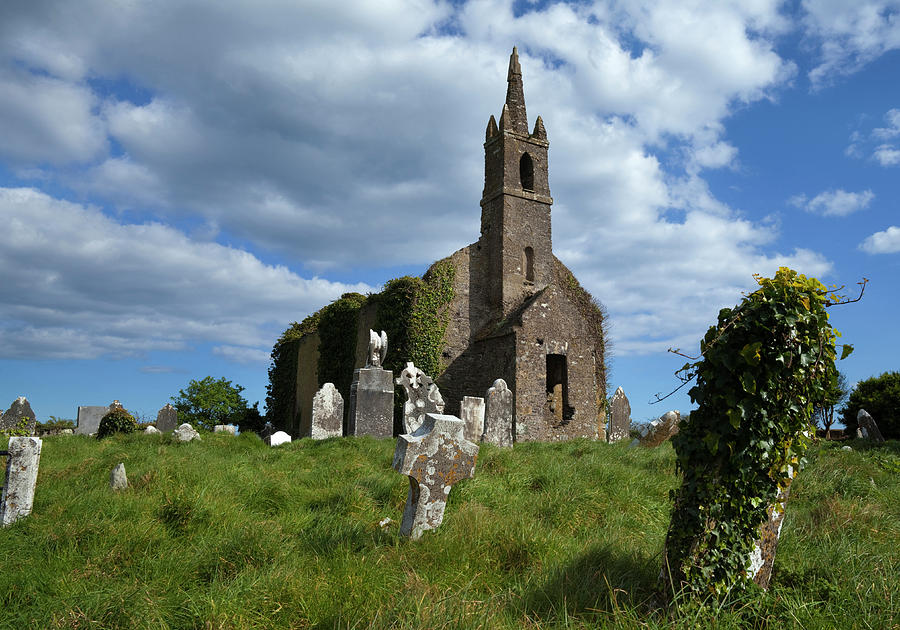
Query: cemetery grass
229, 533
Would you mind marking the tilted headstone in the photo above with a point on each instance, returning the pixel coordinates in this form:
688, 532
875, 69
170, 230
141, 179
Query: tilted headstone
660, 430
167, 418
867, 426
471, 410
19, 410
619, 416
151, 430
225, 428
118, 480
279, 437
327, 413
498, 414
185, 433
422, 397
89, 417
372, 394
434, 458
21, 477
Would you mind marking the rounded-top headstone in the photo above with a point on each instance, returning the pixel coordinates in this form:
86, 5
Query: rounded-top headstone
185, 433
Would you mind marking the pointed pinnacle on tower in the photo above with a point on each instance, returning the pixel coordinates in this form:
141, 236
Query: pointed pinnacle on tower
539, 132
491, 129
515, 96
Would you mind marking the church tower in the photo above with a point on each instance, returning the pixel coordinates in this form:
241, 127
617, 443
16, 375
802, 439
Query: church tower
515, 204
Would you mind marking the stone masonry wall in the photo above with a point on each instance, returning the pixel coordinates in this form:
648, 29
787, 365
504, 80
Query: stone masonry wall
307, 384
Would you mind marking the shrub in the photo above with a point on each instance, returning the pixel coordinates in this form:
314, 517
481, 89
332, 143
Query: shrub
880, 396
116, 421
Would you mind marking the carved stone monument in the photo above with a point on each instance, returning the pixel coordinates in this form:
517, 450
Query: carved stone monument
619, 416
186, 433
167, 418
327, 413
118, 480
19, 410
472, 413
434, 457
372, 393
660, 430
422, 397
21, 477
498, 415
867, 426
89, 417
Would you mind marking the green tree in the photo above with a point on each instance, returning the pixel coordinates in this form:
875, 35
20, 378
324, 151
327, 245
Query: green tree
209, 402
880, 396
836, 392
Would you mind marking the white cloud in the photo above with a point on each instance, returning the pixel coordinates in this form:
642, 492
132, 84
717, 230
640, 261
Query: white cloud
885, 242
887, 155
242, 354
893, 129
834, 203
78, 284
850, 34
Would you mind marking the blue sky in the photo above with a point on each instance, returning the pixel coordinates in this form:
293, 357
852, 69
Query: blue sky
181, 180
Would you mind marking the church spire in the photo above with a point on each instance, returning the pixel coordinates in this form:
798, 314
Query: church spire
515, 97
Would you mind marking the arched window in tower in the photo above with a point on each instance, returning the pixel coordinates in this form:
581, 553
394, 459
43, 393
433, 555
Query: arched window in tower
526, 172
529, 263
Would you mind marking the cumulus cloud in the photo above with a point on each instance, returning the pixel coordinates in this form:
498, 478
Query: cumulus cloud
849, 34
885, 242
834, 203
78, 284
887, 155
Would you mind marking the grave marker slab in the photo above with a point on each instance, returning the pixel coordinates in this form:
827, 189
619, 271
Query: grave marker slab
434, 458
167, 418
21, 477
372, 394
867, 426
118, 480
185, 433
19, 410
472, 413
279, 437
619, 416
498, 415
327, 413
225, 428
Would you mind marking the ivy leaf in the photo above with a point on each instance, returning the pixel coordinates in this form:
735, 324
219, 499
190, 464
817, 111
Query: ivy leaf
846, 350
734, 417
748, 383
751, 354
712, 442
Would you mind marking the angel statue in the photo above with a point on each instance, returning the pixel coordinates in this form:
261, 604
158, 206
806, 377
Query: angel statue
377, 349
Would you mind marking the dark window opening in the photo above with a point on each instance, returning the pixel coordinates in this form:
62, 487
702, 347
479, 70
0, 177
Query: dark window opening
558, 389
526, 172
529, 264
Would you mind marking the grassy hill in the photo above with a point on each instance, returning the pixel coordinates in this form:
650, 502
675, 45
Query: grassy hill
229, 533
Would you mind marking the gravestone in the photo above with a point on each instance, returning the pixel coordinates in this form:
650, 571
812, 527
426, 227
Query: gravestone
372, 394
422, 397
279, 437
660, 430
89, 417
185, 433
266, 431
434, 457
619, 416
472, 413
152, 430
21, 477
762, 558
867, 426
327, 413
19, 410
498, 415
225, 428
118, 480
167, 418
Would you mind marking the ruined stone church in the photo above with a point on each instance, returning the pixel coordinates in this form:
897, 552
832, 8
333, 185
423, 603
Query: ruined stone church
517, 312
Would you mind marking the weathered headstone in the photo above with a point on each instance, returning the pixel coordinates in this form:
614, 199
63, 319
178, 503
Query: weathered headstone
619, 416
267, 431
225, 428
151, 430
867, 426
372, 394
19, 410
762, 558
185, 433
279, 437
434, 457
21, 477
327, 413
167, 418
89, 417
118, 480
660, 430
498, 414
472, 413
422, 397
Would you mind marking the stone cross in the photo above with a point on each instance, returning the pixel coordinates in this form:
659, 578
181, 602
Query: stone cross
167, 418
472, 413
867, 426
21, 477
422, 397
619, 416
327, 413
498, 415
434, 458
